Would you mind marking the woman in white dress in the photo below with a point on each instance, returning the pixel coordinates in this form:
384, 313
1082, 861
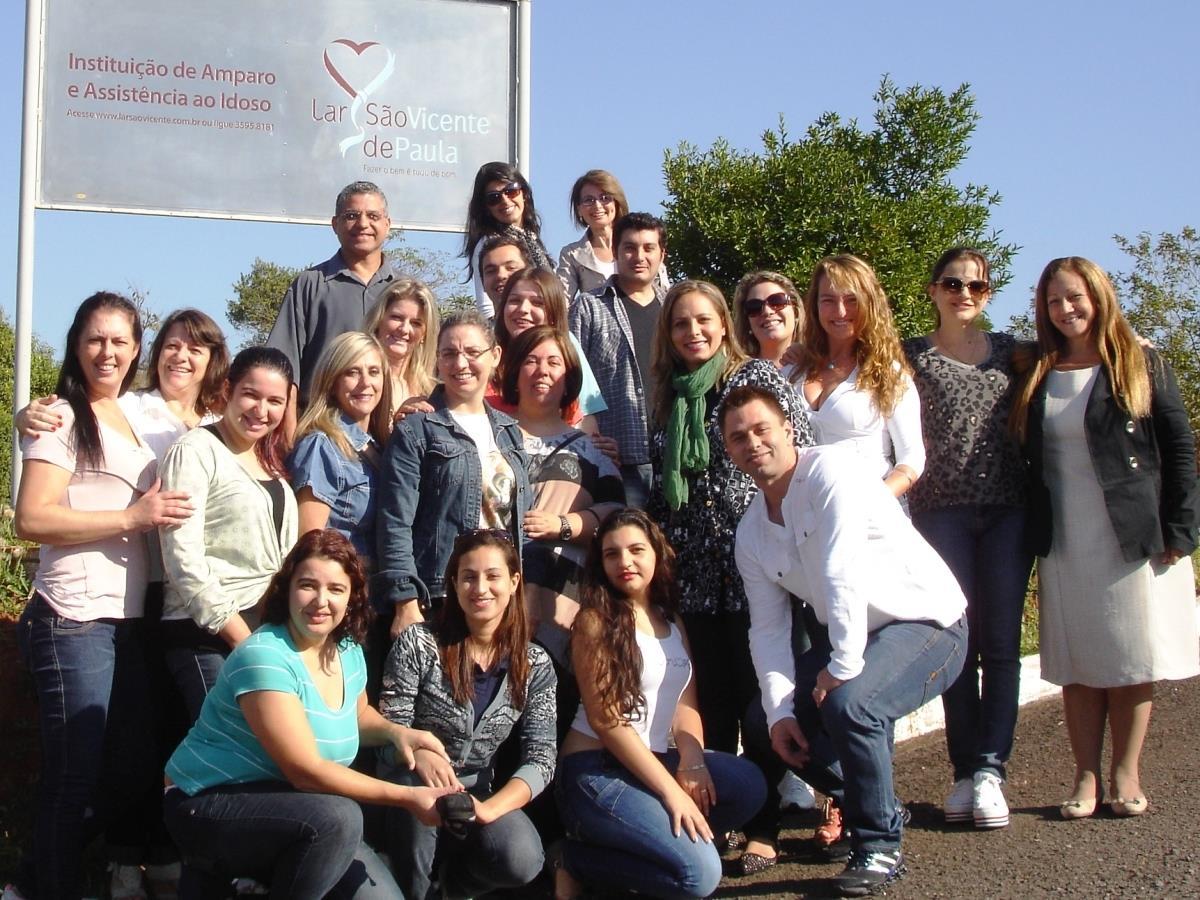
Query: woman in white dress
1113, 511
853, 379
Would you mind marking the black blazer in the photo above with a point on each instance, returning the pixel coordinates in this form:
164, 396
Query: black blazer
1146, 467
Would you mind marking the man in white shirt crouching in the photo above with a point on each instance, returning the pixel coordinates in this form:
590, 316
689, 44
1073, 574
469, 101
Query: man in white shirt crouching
825, 529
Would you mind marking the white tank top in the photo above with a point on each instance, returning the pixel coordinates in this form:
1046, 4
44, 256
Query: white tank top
666, 670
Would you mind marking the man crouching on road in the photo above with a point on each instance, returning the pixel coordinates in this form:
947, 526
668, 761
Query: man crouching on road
825, 529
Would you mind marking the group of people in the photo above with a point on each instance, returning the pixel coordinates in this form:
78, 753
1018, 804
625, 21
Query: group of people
577, 577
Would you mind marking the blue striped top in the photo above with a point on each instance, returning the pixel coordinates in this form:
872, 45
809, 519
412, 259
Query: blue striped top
221, 748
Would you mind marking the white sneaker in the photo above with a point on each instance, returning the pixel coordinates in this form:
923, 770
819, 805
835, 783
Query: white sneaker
960, 802
988, 806
794, 792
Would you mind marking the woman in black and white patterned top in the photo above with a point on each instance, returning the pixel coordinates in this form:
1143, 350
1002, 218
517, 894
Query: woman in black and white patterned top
970, 506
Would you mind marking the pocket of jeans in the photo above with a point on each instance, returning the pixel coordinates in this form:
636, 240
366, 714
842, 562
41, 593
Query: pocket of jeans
939, 679
63, 625
603, 788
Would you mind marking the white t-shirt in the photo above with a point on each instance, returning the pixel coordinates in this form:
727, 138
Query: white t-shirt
499, 480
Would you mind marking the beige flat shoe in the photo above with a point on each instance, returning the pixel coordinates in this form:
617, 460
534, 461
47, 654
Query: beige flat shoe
1077, 809
1125, 808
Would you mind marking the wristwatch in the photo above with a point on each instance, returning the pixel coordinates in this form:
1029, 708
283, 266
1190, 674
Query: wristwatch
565, 531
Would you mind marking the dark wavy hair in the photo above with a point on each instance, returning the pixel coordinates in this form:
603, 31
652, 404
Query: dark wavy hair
480, 222
200, 329
72, 383
522, 345
512, 636
615, 661
273, 449
273, 608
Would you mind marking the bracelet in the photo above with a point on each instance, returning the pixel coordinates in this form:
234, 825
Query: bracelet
698, 768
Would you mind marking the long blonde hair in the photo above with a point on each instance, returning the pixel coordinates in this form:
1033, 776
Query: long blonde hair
881, 362
323, 412
418, 368
1115, 342
666, 361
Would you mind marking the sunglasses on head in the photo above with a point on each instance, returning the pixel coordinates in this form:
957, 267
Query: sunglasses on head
492, 532
955, 286
754, 308
511, 191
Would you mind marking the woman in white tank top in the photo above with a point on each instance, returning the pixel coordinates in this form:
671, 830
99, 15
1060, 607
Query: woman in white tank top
641, 814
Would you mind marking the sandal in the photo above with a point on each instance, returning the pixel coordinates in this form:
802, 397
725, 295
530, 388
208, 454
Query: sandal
829, 832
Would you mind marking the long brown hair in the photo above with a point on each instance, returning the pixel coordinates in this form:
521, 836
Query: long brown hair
1122, 358
615, 663
549, 288
511, 639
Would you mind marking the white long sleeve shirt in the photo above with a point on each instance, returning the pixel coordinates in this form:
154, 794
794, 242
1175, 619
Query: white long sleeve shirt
847, 549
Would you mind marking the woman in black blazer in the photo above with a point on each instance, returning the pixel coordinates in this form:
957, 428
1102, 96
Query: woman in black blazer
1113, 513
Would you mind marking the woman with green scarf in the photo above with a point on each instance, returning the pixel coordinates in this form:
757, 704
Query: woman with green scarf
699, 495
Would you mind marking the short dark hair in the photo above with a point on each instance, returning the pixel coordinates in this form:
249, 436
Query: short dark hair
495, 241
522, 345
353, 189
335, 547
639, 221
744, 396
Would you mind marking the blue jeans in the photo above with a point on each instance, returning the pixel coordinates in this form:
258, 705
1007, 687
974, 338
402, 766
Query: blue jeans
506, 853
98, 750
304, 846
984, 546
619, 833
637, 478
194, 658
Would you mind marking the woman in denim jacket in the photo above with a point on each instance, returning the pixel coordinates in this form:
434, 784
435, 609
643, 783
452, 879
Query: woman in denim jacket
461, 466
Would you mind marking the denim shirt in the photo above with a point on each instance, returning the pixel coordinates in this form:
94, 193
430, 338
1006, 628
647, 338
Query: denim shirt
345, 484
430, 491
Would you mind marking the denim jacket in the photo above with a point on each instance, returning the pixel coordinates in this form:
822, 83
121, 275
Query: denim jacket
430, 491
345, 484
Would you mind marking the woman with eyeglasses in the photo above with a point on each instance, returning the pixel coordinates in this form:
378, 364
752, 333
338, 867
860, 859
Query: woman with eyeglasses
597, 202
471, 683
970, 507
767, 316
458, 467
1113, 513
405, 320
501, 203
853, 380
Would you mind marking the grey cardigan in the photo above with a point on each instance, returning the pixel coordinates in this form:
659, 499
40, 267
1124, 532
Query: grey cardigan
220, 560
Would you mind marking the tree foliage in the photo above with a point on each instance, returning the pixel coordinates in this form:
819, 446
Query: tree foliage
259, 292
884, 194
1161, 297
43, 375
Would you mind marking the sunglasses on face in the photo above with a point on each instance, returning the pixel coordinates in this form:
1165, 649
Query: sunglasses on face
955, 286
510, 191
754, 308
602, 200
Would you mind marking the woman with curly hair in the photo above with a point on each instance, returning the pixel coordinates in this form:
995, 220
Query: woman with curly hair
1112, 516
261, 787
767, 316
853, 381
641, 815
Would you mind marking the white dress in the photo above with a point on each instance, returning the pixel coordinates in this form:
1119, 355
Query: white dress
1105, 622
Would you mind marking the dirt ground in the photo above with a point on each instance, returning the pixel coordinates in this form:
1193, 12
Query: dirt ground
1039, 854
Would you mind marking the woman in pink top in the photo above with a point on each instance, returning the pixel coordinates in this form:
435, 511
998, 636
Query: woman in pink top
87, 494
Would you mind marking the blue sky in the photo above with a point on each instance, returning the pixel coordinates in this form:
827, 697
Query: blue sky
1089, 127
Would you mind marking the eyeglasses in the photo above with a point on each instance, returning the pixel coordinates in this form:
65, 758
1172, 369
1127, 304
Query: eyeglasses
755, 307
955, 286
471, 353
510, 191
602, 200
351, 216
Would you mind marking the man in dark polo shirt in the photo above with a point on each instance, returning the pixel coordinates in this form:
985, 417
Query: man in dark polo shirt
331, 298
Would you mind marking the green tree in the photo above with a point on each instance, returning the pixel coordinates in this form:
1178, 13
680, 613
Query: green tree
259, 292
1161, 297
885, 194
43, 375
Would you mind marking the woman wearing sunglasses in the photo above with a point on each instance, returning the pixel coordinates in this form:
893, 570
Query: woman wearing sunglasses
501, 203
970, 507
767, 316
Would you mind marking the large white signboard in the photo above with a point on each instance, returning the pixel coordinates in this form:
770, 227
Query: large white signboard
263, 109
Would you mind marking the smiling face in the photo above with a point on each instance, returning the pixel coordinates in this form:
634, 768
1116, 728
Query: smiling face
497, 266
507, 210
759, 441
596, 207
541, 379
629, 561
525, 308
318, 595
639, 256
182, 364
106, 349
697, 329
484, 587
359, 388
1069, 306
773, 325
401, 330
466, 359
362, 226
962, 305
837, 311
255, 408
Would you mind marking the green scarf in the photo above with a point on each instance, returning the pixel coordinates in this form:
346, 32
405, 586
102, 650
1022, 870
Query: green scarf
686, 450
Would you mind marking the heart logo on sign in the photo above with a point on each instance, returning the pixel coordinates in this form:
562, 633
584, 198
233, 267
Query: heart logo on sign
358, 49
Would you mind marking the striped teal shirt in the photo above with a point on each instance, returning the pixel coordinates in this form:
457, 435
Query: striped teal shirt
221, 748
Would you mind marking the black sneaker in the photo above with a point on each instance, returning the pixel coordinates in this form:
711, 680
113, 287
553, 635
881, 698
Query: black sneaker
868, 872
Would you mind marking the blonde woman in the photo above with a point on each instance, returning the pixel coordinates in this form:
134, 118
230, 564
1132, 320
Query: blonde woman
853, 380
403, 320
1113, 511
767, 316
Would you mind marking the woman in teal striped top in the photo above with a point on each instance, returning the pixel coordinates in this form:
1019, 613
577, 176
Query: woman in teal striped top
261, 786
